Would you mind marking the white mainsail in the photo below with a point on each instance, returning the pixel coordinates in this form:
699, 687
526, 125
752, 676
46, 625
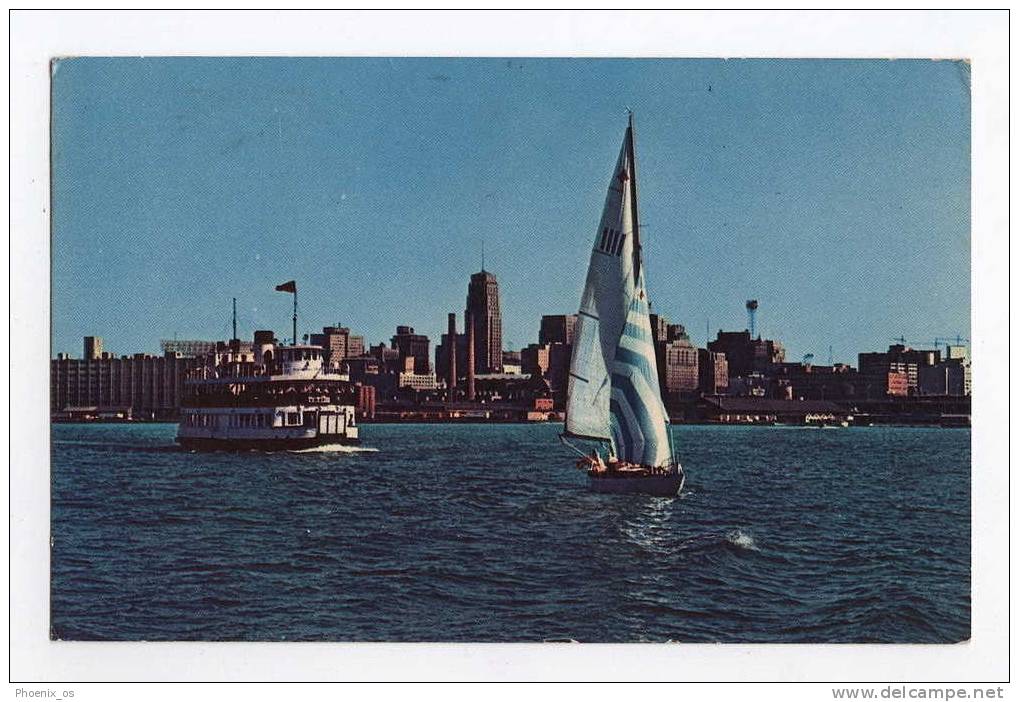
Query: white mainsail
613, 391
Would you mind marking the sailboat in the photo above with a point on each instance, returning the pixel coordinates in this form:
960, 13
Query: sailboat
613, 396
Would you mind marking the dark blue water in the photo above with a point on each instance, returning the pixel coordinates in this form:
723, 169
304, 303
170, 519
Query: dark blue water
487, 533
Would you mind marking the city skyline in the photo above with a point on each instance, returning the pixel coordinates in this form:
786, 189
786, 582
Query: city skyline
835, 192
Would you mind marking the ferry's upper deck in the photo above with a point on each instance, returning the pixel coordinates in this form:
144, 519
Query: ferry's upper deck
266, 363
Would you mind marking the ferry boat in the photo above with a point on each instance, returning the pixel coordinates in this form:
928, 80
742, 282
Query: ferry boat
270, 397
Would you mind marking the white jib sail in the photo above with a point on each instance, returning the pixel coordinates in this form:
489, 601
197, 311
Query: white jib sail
613, 386
600, 320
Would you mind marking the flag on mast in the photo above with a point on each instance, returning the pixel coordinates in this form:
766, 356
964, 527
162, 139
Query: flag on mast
291, 287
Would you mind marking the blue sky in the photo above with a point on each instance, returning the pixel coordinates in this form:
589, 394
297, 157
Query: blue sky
835, 192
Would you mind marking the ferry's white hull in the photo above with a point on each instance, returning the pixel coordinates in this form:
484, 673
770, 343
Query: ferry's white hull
246, 428
292, 443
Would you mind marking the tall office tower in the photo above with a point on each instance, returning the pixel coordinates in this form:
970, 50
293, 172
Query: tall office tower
483, 309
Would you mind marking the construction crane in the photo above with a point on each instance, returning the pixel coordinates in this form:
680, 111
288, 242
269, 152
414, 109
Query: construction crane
948, 340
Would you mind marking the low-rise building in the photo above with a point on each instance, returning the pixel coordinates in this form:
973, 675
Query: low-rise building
948, 378
417, 381
512, 362
534, 359
756, 410
899, 358
141, 386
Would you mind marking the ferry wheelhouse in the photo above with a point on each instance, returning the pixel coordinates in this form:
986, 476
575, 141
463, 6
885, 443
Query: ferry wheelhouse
269, 397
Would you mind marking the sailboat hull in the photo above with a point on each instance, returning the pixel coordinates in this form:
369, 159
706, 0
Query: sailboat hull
667, 485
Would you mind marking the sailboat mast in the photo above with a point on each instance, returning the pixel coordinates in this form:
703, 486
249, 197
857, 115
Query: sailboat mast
637, 257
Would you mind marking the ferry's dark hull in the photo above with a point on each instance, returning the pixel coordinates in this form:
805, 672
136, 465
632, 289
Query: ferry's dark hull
295, 444
667, 485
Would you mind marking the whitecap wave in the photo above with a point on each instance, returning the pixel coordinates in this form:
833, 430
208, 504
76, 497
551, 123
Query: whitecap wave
741, 539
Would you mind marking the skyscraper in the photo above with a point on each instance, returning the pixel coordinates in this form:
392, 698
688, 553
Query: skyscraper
411, 345
483, 311
557, 329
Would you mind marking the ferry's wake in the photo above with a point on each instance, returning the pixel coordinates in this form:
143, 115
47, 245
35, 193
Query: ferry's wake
336, 448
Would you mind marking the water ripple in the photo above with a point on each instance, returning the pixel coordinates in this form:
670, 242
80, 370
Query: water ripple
486, 533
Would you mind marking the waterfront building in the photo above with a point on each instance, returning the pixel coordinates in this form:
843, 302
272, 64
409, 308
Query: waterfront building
559, 356
511, 388
366, 401
746, 355
388, 358
364, 369
897, 383
893, 381
511, 362
757, 410
713, 372
141, 386
899, 358
750, 385
417, 381
534, 359
948, 378
338, 344
766, 354
550, 361
415, 346
485, 319
678, 372
144, 386
557, 329
805, 381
